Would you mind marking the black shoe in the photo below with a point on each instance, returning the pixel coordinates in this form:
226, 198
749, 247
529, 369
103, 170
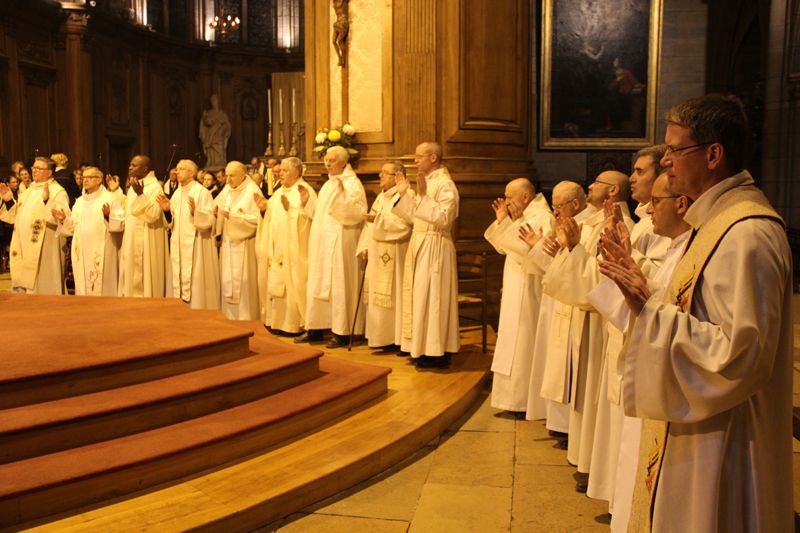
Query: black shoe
338, 341
561, 444
309, 336
581, 481
581, 487
557, 435
426, 361
401, 353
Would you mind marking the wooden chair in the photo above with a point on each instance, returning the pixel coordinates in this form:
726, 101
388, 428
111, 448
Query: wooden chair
475, 280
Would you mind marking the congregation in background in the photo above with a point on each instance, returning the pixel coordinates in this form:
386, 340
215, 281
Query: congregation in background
655, 344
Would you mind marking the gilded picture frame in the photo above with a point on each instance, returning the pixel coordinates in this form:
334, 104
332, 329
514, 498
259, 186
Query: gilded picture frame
599, 74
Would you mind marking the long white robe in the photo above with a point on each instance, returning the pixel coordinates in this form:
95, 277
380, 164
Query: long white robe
513, 364
386, 242
144, 260
569, 278
648, 249
237, 253
287, 256
193, 253
721, 375
628, 456
430, 283
335, 276
95, 249
37, 257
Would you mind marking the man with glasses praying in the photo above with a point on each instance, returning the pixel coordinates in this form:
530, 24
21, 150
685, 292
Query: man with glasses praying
37, 257
95, 249
709, 363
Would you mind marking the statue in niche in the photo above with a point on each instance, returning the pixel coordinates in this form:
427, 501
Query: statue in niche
215, 130
341, 27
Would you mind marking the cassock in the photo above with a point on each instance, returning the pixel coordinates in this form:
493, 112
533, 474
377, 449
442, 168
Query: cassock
628, 456
430, 284
193, 252
513, 360
553, 344
334, 278
386, 242
237, 252
287, 256
570, 277
144, 262
95, 247
648, 249
710, 365
37, 257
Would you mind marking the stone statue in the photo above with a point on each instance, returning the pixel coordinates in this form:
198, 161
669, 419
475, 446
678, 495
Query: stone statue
215, 130
341, 27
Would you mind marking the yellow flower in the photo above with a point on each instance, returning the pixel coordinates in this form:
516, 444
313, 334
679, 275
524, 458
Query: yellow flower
334, 135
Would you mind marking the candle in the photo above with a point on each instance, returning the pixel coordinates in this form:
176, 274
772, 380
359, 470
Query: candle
294, 115
280, 106
269, 105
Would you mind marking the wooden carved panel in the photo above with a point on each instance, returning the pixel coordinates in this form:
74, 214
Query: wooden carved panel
38, 110
118, 91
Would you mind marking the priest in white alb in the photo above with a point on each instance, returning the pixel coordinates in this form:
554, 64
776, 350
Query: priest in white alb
290, 212
95, 239
189, 212
384, 243
335, 270
709, 362
569, 278
238, 216
37, 257
430, 284
522, 293
144, 260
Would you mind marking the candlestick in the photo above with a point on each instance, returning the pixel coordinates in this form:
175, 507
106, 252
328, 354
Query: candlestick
294, 115
293, 139
269, 106
280, 106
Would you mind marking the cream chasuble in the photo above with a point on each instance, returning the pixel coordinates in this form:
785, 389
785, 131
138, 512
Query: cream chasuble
335, 273
386, 242
430, 285
144, 261
709, 366
37, 258
95, 249
513, 364
237, 252
193, 252
287, 256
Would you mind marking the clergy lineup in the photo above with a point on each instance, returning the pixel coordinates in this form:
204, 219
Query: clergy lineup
302, 263
658, 351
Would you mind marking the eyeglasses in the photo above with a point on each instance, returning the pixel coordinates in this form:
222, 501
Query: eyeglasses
655, 199
559, 206
40, 168
85, 177
605, 183
671, 150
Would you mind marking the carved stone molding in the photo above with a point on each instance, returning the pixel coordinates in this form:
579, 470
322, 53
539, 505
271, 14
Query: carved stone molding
34, 51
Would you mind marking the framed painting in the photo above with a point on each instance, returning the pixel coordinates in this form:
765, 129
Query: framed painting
599, 74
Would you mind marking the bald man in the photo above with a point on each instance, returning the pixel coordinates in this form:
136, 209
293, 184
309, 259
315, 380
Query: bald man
189, 212
569, 278
522, 294
95, 248
144, 261
430, 286
238, 216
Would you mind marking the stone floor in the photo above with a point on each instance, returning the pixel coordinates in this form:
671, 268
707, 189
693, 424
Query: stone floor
489, 472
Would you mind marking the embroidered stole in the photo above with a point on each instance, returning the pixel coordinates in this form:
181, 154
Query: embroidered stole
733, 207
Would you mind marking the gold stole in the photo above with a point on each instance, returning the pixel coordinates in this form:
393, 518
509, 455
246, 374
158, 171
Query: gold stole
418, 235
27, 269
739, 204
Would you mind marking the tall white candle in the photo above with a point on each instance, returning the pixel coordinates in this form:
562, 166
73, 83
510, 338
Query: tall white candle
294, 111
269, 105
280, 106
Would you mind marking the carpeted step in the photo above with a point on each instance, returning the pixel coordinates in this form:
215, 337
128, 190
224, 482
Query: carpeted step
49, 484
47, 427
111, 343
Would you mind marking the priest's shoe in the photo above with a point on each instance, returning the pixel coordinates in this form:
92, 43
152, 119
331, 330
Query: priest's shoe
338, 341
309, 336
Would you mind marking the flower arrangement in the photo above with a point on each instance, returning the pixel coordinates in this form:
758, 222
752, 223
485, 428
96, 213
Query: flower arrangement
342, 136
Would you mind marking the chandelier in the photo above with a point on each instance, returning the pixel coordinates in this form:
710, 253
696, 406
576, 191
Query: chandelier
225, 23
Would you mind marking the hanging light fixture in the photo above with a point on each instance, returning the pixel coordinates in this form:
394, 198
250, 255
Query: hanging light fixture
226, 22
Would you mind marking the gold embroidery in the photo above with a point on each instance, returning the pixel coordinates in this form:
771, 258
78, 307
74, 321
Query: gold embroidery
682, 296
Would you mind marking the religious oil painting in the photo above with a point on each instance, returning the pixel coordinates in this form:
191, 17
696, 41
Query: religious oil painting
599, 73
